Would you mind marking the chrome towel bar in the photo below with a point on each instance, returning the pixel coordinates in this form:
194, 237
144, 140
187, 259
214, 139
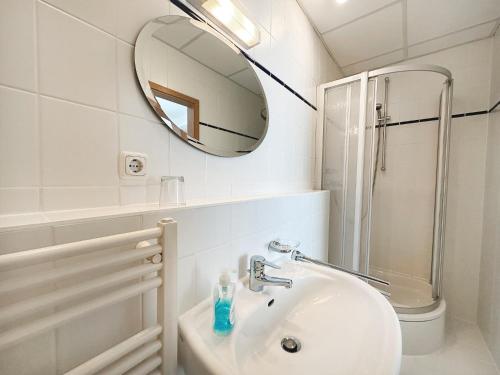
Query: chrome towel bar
298, 256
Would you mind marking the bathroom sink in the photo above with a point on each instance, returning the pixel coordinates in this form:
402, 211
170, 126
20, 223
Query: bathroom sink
330, 323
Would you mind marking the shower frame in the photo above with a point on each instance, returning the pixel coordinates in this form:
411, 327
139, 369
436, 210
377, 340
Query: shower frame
438, 236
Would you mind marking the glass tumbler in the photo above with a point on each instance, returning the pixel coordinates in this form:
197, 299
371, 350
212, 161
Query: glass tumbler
172, 191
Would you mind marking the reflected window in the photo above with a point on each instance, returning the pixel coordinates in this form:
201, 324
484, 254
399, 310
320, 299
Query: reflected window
177, 113
179, 110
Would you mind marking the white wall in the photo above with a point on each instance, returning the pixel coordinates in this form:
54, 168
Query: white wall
210, 239
489, 287
69, 102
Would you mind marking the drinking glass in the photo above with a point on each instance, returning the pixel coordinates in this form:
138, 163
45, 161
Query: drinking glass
172, 191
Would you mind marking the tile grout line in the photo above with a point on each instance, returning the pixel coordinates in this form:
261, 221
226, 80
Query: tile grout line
36, 39
71, 101
423, 42
404, 8
361, 17
375, 57
405, 35
495, 28
19, 89
44, 2
41, 205
455, 32
118, 124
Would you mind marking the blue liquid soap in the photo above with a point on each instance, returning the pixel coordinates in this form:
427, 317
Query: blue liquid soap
223, 322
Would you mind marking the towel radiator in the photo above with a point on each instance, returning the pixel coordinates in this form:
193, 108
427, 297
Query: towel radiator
153, 350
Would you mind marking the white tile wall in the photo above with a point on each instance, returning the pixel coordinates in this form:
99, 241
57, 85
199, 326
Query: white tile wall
404, 202
78, 64
130, 98
79, 145
76, 104
489, 282
18, 144
19, 200
69, 198
210, 238
464, 216
145, 136
17, 43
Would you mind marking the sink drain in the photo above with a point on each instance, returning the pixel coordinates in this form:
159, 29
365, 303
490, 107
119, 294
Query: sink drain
290, 344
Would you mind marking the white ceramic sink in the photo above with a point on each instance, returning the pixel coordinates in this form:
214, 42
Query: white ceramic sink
344, 325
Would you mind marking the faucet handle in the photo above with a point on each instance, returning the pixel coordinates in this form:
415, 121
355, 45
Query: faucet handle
272, 265
260, 261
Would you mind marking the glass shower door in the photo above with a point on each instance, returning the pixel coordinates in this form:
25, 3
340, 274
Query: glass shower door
388, 222
403, 212
342, 165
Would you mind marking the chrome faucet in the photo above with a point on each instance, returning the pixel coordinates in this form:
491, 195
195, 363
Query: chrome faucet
258, 279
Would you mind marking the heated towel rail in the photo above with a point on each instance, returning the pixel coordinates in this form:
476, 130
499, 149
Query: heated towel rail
149, 268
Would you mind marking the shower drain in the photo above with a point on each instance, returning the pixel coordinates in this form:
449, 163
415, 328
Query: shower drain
291, 344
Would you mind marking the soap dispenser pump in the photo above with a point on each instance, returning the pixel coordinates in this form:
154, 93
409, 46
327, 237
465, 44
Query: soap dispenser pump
223, 321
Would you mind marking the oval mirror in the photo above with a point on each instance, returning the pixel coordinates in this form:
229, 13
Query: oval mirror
201, 86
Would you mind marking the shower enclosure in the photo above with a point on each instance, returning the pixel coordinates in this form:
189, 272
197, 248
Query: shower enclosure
385, 136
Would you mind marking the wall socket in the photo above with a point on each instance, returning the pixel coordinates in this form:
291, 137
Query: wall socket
133, 164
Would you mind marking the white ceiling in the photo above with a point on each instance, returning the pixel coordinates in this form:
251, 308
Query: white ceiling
208, 51
367, 34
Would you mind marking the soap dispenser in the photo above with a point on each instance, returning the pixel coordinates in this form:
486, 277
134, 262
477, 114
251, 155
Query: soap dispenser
223, 321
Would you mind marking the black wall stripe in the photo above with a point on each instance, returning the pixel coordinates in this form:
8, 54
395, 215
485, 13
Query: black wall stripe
456, 115
494, 107
186, 10
227, 130
275, 77
192, 14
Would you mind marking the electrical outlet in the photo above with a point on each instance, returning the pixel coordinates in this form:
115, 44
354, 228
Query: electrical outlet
133, 164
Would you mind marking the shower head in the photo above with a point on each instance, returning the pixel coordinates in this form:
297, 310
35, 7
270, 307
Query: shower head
378, 107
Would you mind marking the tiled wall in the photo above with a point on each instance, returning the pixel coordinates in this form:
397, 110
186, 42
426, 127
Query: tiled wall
69, 102
210, 239
489, 286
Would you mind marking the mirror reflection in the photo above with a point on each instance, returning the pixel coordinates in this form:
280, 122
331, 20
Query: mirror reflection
201, 87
